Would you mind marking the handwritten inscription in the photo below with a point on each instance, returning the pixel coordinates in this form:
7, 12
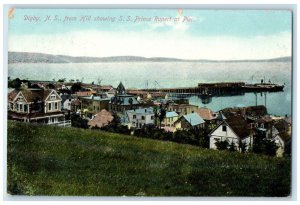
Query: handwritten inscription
111, 19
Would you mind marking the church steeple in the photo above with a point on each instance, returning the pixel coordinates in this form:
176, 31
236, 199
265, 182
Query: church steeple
120, 89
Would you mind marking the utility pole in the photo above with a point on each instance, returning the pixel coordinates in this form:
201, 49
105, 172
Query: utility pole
265, 99
255, 99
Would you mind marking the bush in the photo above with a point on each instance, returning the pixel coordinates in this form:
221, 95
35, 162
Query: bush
221, 145
77, 121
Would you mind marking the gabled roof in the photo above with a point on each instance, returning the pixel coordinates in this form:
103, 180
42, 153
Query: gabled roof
31, 95
101, 119
171, 114
239, 125
193, 119
221, 116
281, 126
205, 113
12, 95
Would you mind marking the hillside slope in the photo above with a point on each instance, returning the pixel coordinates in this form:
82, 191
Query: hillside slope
48, 160
27, 57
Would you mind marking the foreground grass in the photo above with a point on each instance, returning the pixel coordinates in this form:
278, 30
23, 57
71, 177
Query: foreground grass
48, 160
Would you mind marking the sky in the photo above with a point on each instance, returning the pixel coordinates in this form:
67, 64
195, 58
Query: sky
175, 33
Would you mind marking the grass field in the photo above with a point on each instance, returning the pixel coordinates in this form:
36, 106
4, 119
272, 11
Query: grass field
49, 160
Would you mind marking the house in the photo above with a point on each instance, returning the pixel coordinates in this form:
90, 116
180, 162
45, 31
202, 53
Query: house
251, 112
94, 104
233, 130
101, 119
66, 100
189, 121
282, 137
206, 114
35, 105
137, 118
182, 109
75, 106
170, 119
122, 101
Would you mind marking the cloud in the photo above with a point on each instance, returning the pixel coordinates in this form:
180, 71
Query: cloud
154, 44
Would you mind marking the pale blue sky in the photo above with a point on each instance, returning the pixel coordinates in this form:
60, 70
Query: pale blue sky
234, 29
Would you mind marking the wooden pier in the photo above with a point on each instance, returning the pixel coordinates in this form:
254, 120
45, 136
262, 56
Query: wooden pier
217, 89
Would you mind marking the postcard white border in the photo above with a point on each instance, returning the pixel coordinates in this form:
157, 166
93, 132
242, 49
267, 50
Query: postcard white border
118, 4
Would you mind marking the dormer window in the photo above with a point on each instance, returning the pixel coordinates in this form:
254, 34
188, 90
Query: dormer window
52, 97
20, 98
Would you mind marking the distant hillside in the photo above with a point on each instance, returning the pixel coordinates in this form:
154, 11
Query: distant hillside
25, 57
49, 160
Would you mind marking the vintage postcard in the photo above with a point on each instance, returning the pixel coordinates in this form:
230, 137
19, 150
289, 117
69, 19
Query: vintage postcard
149, 102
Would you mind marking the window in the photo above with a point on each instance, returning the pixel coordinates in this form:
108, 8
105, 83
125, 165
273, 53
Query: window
134, 116
152, 117
11, 106
224, 128
25, 108
143, 117
49, 106
55, 105
21, 107
52, 97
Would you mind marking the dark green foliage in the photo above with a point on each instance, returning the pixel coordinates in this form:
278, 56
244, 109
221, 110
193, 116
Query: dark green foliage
232, 147
160, 113
262, 145
77, 121
221, 144
76, 87
192, 136
16, 83
242, 146
115, 126
270, 147
78, 162
61, 80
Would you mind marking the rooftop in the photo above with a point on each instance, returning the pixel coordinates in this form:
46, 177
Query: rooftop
141, 111
171, 114
194, 119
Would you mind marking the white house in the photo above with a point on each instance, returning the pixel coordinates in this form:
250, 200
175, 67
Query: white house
137, 118
35, 105
233, 130
282, 136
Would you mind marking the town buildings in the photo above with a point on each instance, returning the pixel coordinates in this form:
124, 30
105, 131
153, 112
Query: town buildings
137, 118
122, 101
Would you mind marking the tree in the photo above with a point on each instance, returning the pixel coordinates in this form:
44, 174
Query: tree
77, 121
160, 114
263, 145
16, 83
76, 87
61, 80
232, 146
242, 146
270, 147
116, 126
